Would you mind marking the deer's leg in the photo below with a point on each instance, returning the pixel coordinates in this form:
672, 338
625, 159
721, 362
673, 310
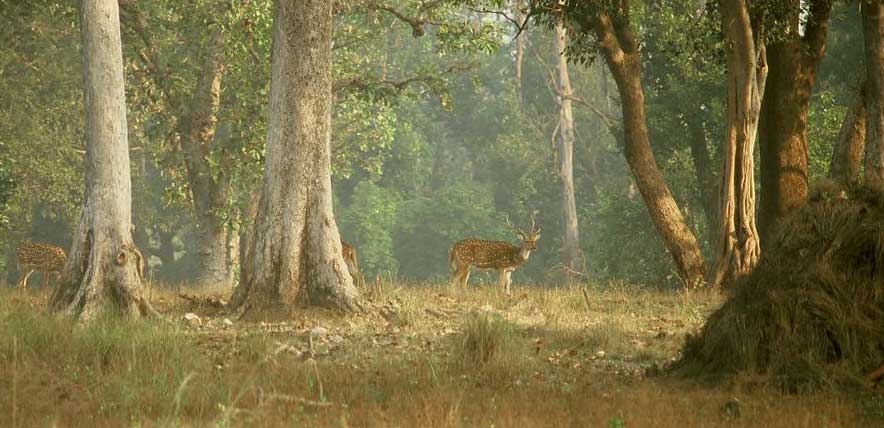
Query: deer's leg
508, 281
23, 283
45, 274
465, 279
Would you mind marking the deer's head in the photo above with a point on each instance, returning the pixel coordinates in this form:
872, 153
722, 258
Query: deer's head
529, 239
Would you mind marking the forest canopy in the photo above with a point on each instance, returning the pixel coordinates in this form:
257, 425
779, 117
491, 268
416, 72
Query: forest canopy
436, 136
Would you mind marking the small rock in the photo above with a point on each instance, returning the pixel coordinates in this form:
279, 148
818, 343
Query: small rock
318, 331
227, 322
192, 319
600, 354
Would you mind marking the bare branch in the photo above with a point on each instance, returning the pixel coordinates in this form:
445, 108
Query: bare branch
611, 123
416, 24
398, 85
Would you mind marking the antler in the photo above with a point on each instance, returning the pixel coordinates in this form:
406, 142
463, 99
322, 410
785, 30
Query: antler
533, 230
515, 229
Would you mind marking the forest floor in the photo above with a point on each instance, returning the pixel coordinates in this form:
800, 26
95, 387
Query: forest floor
420, 356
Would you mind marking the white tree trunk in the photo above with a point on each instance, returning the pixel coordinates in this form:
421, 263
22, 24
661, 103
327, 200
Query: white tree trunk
571, 259
104, 267
295, 252
520, 47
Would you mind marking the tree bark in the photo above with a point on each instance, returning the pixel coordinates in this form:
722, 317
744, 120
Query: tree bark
103, 269
737, 243
520, 47
166, 252
209, 189
706, 185
793, 65
872, 12
571, 259
295, 252
845, 166
621, 52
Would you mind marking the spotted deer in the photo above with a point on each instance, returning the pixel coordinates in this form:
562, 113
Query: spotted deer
37, 256
501, 256
349, 254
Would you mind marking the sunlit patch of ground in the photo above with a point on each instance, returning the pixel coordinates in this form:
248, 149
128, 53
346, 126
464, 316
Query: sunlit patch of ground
420, 355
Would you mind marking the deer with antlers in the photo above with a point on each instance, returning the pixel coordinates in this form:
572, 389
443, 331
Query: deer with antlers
501, 256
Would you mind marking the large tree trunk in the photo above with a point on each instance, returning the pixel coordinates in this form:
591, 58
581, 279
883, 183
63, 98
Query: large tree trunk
783, 128
845, 166
737, 241
621, 53
571, 259
872, 12
103, 268
209, 189
295, 253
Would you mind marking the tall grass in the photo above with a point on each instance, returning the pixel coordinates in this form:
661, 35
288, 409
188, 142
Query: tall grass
112, 367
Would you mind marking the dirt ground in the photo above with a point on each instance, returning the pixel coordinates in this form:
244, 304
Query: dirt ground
419, 355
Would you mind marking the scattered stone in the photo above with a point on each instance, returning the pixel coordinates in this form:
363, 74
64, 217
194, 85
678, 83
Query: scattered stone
318, 332
227, 322
600, 354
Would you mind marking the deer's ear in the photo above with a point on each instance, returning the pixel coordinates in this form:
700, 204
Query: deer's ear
520, 235
536, 237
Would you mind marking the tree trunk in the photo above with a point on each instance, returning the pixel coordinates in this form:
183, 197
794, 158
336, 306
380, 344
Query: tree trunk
782, 131
621, 53
737, 243
872, 12
209, 190
166, 252
103, 265
520, 46
706, 184
295, 253
847, 155
571, 259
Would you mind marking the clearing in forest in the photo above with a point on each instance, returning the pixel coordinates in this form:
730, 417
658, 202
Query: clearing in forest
420, 355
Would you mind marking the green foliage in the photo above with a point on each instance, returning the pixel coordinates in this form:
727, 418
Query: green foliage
430, 143
823, 123
368, 224
41, 127
427, 227
625, 244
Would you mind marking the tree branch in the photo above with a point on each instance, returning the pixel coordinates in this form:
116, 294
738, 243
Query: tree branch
611, 123
416, 24
397, 85
815, 32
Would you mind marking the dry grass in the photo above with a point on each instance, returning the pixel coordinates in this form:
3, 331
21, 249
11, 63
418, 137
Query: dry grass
423, 356
808, 317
